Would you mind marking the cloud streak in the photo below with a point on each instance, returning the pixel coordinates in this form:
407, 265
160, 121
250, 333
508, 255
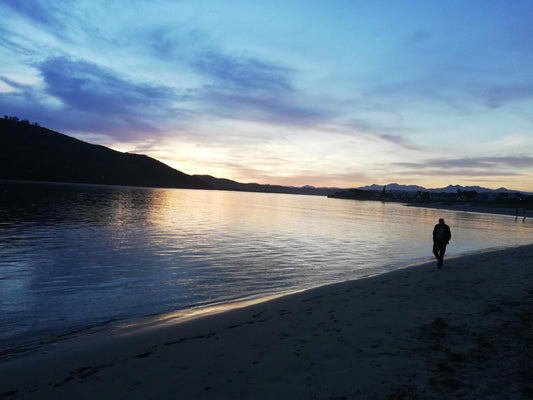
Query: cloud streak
496, 97
249, 74
44, 13
92, 98
511, 167
252, 89
478, 162
87, 87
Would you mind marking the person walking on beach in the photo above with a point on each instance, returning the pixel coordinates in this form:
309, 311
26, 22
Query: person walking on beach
441, 237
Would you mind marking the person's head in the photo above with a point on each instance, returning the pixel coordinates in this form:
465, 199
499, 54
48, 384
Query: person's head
441, 221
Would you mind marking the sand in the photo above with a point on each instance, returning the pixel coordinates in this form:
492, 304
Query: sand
461, 332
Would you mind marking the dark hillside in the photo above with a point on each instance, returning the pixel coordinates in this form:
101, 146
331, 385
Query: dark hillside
30, 152
227, 184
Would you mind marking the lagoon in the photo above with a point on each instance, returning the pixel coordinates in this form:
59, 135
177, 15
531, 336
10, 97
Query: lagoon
75, 258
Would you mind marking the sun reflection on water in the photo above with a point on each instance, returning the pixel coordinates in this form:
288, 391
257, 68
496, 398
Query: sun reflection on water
79, 255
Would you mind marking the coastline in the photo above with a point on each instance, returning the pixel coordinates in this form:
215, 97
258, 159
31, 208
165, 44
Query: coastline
416, 332
467, 207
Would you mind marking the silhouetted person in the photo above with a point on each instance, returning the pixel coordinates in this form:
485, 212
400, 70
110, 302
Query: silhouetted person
441, 237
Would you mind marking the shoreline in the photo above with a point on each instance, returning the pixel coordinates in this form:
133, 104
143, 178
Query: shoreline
131, 325
467, 207
143, 323
416, 332
137, 324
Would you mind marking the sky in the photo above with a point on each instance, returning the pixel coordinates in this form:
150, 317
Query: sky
329, 93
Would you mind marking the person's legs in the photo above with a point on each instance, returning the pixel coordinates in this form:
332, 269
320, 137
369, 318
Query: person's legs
436, 250
439, 249
442, 251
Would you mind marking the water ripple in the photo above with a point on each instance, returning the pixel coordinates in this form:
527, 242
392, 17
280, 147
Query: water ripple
74, 256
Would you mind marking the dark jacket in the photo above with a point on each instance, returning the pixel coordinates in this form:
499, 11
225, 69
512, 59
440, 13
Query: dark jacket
441, 233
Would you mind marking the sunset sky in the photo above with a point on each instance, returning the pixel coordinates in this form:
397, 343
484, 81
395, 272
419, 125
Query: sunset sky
325, 93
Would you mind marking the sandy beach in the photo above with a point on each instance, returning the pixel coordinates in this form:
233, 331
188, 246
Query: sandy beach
462, 332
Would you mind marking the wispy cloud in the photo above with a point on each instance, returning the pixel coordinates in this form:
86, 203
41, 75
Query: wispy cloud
419, 36
252, 89
91, 98
88, 87
244, 73
16, 43
479, 166
44, 13
496, 97
87, 94
390, 134
270, 109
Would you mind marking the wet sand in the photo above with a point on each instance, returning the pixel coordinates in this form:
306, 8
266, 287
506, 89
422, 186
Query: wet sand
462, 332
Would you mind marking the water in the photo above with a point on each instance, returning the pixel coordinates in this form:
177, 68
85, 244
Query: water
74, 257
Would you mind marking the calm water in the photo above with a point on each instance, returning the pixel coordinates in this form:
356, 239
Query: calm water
74, 256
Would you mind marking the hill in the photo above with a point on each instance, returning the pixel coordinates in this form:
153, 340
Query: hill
31, 152
227, 184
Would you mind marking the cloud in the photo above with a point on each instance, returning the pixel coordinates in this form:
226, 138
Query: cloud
486, 162
13, 84
88, 87
176, 43
233, 86
87, 97
358, 127
496, 97
83, 96
269, 109
463, 173
398, 140
248, 88
44, 13
240, 73
15, 43
419, 36
477, 166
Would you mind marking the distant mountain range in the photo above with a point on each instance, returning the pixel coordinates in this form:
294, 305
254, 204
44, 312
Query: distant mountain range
31, 152
227, 184
448, 189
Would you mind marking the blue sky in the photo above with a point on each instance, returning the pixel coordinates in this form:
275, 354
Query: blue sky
325, 93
